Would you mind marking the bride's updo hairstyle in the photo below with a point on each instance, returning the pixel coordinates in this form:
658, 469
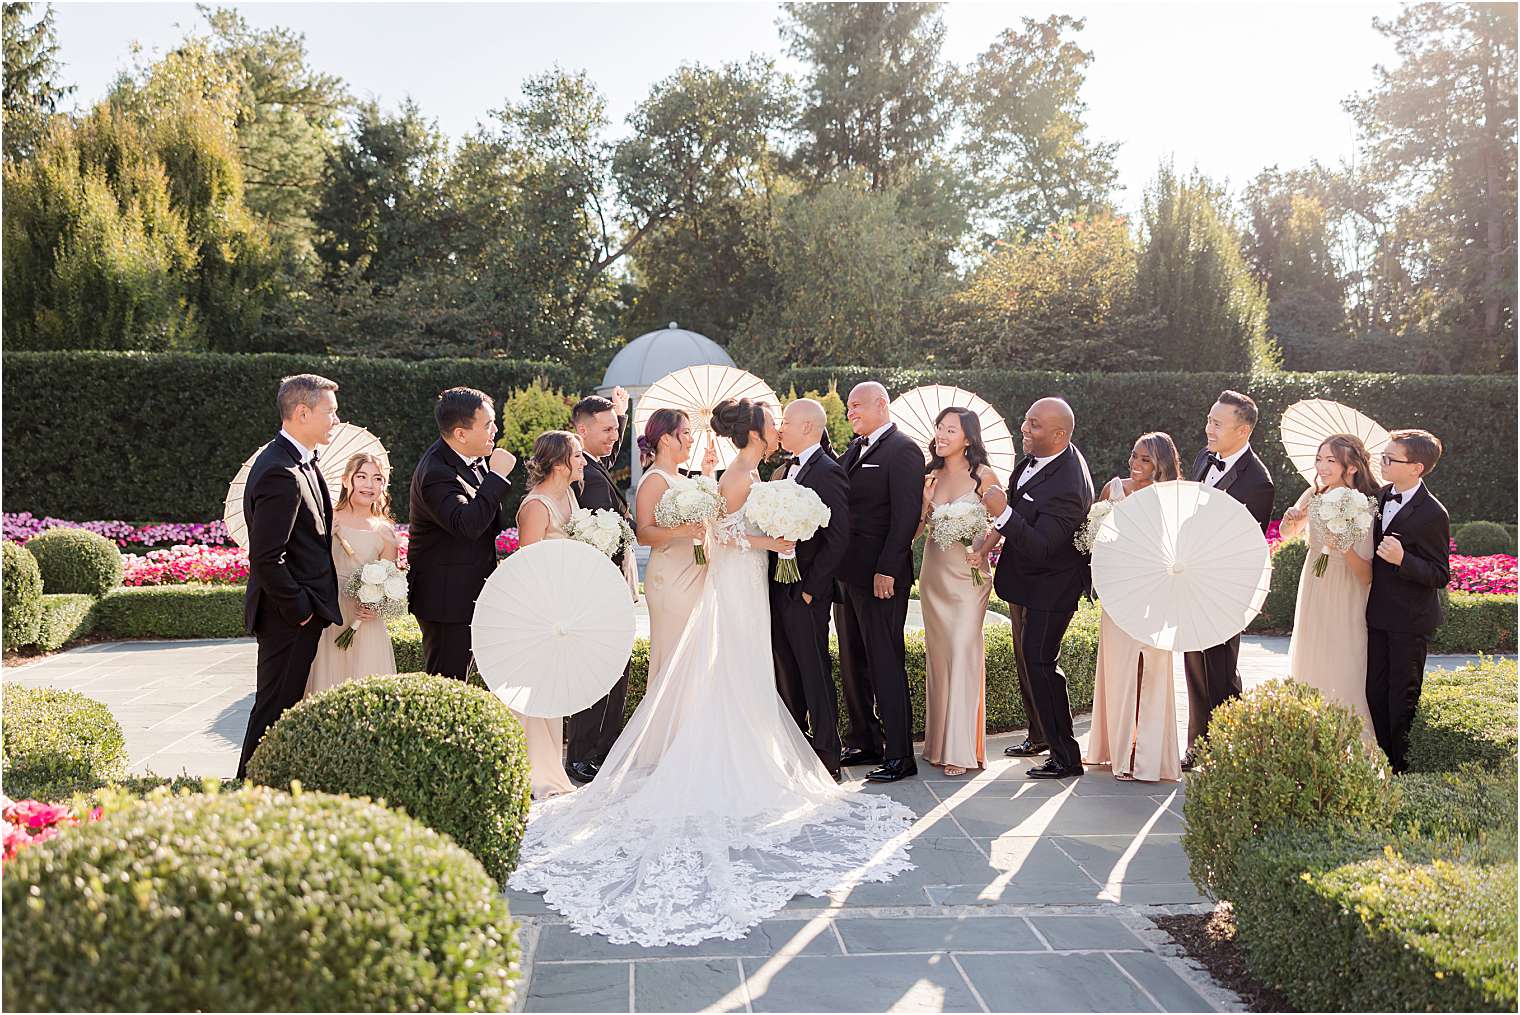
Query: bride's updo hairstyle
738, 419
552, 449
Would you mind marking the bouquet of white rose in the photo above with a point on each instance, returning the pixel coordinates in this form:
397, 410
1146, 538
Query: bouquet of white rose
785, 509
381, 586
689, 499
1345, 515
1088, 532
959, 522
603, 529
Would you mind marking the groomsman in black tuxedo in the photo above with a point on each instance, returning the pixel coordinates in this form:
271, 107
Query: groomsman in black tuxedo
601, 424
456, 497
886, 474
1412, 533
292, 586
1041, 575
800, 610
1227, 464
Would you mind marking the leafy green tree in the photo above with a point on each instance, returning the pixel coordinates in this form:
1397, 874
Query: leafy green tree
32, 89
1025, 129
1192, 271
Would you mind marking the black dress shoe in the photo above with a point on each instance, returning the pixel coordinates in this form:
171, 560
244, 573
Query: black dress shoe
1189, 761
854, 757
837, 774
1051, 770
891, 771
582, 771
1027, 749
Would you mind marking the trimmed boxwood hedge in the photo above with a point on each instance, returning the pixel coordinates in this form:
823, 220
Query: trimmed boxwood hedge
220, 405
452, 756
1476, 623
173, 611
223, 406
20, 597
1277, 611
1465, 715
57, 739
76, 561
66, 617
1483, 539
255, 901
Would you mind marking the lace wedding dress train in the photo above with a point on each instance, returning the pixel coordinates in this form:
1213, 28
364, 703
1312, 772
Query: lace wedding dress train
712, 810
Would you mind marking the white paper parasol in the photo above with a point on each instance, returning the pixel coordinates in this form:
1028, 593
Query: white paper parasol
915, 411
1306, 424
553, 628
695, 391
1181, 566
332, 457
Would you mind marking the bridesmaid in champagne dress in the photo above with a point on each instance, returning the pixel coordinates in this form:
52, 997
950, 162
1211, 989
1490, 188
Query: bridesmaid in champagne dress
673, 579
1134, 716
954, 605
363, 532
1329, 646
556, 463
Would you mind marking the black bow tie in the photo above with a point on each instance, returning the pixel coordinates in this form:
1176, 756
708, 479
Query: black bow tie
1397, 498
1215, 462
860, 442
791, 461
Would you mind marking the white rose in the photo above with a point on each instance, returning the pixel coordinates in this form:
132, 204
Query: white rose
395, 588
369, 595
373, 574
1363, 519
1336, 525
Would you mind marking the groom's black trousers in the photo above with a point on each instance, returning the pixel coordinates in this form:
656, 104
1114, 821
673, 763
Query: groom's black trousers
590, 733
286, 652
873, 668
1037, 636
445, 648
804, 671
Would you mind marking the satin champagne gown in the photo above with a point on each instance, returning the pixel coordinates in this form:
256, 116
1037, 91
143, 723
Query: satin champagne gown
673, 583
370, 652
546, 737
1134, 716
955, 656
1329, 647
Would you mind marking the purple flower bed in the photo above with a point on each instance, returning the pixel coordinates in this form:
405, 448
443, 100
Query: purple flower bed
21, 526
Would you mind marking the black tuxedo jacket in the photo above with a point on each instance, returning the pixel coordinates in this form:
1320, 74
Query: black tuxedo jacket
1040, 568
1248, 481
819, 558
886, 494
455, 519
1407, 598
288, 510
597, 490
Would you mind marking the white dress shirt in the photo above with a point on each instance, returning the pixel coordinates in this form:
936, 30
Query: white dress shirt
802, 458
307, 454
1392, 507
876, 434
1215, 475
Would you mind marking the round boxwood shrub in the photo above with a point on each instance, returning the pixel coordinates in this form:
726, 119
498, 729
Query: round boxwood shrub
254, 901
452, 756
56, 741
1483, 539
76, 560
1280, 756
20, 597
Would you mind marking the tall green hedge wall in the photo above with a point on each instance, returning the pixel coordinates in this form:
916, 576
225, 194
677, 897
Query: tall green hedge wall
158, 435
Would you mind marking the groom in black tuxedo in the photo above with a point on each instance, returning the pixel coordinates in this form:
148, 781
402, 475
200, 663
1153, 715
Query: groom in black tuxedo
1227, 464
601, 424
456, 497
1041, 575
886, 472
800, 610
292, 586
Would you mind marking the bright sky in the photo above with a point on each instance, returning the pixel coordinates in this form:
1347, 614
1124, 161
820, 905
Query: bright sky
1230, 87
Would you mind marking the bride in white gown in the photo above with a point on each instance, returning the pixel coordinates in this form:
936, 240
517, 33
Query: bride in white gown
712, 810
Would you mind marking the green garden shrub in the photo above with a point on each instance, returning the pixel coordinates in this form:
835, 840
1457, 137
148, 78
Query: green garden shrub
1483, 539
1282, 596
173, 611
65, 617
452, 756
76, 561
20, 598
1278, 757
1475, 803
1465, 715
254, 901
1351, 921
1475, 623
55, 741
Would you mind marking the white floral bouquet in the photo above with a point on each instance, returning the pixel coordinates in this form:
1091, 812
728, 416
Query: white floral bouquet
1087, 533
962, 522
1345, 515
784, 509
604, 529
689, 499
381, 586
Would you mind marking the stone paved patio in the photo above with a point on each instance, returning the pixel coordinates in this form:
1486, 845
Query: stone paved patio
1026, 896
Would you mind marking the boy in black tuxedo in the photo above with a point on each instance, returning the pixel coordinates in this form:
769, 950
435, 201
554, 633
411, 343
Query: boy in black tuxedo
1412, 533
292, 585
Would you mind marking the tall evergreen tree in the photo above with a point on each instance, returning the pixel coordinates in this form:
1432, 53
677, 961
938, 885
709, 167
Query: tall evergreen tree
32, 88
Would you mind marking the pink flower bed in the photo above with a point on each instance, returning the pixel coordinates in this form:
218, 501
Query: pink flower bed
31, 821
1490, 576
21, 526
